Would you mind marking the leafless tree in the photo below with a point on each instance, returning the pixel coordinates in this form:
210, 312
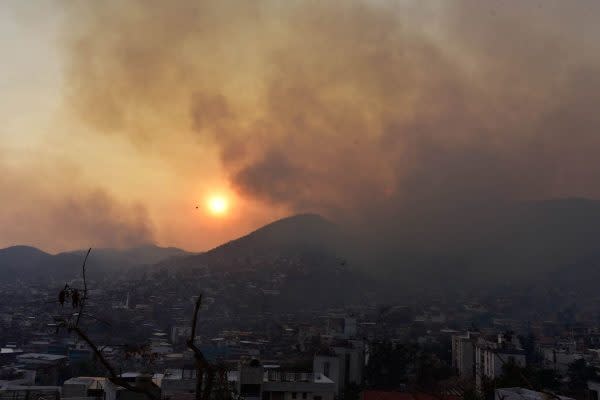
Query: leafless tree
206, 372
72, 323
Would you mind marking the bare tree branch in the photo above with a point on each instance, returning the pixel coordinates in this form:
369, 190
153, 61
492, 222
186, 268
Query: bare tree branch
73, 326
204, 386
197, 352
85, 289
114, 376
202, 365
195, 318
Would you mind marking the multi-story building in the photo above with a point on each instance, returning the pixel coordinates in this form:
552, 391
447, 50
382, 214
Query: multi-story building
593, 390
15, 376
463, 354
19, 392
343, 363
560, 354
255, 382
116, 392
178, 383
518, 393
490, 357
50, 368
84, 387
342, 327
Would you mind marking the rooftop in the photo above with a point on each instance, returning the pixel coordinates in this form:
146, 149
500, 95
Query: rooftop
277, 376
178, 374
90, 381
396, 395
525, 394
10, 350
41, 357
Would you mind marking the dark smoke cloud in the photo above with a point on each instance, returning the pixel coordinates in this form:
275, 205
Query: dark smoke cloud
48, 207
373, 109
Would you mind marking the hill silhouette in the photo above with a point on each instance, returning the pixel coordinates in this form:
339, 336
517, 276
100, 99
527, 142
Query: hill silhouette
31, 264
298, 235
300, 258
552, 242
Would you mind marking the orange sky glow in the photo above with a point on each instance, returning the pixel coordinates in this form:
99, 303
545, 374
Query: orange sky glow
191, 123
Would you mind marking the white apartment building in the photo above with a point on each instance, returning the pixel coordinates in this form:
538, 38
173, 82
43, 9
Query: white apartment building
343, 364
490, 358
518, 393
463, 354
255, 382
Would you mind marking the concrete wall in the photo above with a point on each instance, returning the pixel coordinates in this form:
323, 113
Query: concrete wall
335, 372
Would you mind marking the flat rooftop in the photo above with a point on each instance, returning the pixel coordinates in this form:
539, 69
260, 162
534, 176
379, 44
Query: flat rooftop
41, 357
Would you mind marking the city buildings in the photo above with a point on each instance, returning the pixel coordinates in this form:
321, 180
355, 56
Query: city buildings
492, 356
49, 368
254, 381
84, 387
519, 393
463, 354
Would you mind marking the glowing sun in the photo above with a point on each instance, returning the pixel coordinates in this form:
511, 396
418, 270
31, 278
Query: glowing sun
217, 205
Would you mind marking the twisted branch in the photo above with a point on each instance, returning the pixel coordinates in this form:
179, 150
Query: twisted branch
202, 365
114, 376
73, 326
85, 289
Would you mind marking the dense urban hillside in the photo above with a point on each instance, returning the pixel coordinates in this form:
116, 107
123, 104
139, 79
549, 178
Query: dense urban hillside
306, 235
293, 262
515, 244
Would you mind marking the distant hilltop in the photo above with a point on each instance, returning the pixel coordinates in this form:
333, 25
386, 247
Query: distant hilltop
29, 263
554, 240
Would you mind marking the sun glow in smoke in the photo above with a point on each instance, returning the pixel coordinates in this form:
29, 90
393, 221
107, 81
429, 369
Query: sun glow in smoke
217, 205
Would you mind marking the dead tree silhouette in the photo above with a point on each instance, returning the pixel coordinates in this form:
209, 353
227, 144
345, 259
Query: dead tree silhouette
206, 372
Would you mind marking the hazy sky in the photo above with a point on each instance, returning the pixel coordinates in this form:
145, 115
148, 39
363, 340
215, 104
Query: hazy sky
119, 118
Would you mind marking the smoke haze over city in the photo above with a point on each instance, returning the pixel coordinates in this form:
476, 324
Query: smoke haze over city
373, 113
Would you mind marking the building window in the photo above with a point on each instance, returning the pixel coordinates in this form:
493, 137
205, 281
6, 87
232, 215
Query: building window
277, 395
250, 390
294, 395
304, 395
317, 398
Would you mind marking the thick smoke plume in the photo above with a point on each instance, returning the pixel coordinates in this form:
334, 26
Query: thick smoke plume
33, 212
366, 110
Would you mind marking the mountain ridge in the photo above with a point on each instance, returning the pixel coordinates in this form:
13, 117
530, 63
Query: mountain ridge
30, 263
514, 243
294, 235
